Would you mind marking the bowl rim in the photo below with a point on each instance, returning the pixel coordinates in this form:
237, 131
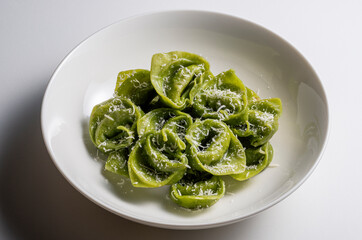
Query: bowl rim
200, 225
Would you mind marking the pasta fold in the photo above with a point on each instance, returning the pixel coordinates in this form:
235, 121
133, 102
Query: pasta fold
112, 124
197, 191
214, 148
176, 77
154, 162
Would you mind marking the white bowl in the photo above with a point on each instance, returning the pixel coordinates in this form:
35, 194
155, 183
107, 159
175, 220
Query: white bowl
265, 62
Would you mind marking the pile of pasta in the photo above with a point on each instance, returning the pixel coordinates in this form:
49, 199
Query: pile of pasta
180, 125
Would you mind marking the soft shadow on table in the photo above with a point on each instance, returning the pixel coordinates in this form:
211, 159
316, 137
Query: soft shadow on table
36, 201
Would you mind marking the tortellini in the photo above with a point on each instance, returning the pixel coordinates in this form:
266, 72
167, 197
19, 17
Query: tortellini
165, 119
179, 125
224, 98
197, 191
135, 85
214, 148
176, 76
257, 159
262, 120
112, 124
155, 162
117, 162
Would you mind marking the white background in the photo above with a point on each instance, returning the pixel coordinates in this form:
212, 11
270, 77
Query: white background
36, 202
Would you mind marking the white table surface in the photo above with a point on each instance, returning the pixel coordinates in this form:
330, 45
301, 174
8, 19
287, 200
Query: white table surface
36, 202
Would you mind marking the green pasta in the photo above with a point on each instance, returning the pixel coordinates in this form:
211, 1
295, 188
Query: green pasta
213, 148
154, 162
197, 190
164, 119
176, 77
112, 124
257, 159
117, 162
179, 125
262, 120
136, 86
224, 98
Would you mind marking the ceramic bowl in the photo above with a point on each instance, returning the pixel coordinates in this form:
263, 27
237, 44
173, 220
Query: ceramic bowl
263, 61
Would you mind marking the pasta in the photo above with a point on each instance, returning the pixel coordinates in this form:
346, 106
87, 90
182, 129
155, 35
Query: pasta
262, 119
257, 159
181, 126
176, 77
197, 190
224, 97
213, 148
154, 162
112, 124
136, 86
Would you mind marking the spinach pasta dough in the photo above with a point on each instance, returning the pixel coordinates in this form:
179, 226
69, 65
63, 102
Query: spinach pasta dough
112, 124
224, 98
135, 85
198, 190
257, 159
176, 76
154, 162
214, 148
165, 119
262, 119
179, 125
117, 162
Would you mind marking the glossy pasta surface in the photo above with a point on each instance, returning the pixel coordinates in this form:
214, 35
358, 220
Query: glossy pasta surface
179, 125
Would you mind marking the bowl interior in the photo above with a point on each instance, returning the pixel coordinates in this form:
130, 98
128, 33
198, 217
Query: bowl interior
262, 60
